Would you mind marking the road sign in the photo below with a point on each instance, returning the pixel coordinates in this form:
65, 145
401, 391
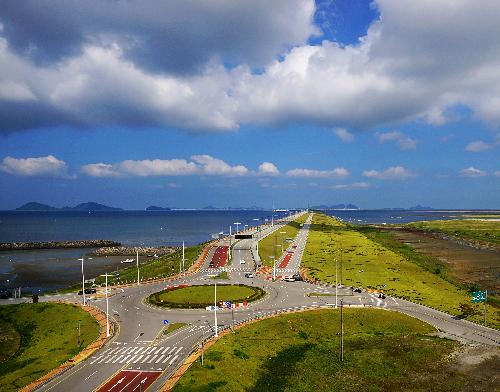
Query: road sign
165, 322
228, 304
478, 296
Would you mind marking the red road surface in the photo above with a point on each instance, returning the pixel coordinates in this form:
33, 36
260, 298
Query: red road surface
219, 258
285, 261
130, 380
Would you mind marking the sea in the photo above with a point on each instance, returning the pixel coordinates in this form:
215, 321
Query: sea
46, 270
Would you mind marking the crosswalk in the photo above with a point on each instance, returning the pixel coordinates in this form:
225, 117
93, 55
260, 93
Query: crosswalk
138, 354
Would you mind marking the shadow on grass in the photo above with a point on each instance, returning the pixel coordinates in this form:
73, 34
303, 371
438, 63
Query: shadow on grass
278, 370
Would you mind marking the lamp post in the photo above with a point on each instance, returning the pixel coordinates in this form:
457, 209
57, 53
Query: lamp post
237, 226
107, 306
283, 241
83, 281
137, 265
274, 267
215, 309
229, 250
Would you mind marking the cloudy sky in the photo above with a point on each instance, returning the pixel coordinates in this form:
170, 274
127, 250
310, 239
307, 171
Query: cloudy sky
385, 103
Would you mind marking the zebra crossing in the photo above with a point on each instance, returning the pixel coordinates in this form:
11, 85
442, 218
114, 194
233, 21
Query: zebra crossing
157, 355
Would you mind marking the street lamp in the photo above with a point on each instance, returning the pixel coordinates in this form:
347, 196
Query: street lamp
274, 267
215, 309
237, 226
83, 281
107, 306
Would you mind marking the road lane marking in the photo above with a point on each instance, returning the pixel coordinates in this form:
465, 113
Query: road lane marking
160, 358
173, 360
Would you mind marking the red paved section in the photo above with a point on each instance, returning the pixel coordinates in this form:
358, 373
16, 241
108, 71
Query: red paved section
130, 380
219, 258
285, 261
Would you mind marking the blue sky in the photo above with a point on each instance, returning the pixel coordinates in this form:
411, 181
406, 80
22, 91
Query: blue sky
378, 104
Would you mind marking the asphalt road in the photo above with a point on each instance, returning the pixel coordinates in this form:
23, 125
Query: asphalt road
140, 356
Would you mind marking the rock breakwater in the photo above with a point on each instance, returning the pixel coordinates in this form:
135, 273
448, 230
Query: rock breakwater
132, 250
58, 245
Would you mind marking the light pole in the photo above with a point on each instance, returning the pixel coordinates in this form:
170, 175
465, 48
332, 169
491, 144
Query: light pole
229, 250
341, 331
137, 265
83, 281
336, 283
183, 257
283, 241
107, 306
237, 226
274, 267
215, 309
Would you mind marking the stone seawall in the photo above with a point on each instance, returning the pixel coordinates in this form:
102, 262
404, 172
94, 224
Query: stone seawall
58, 245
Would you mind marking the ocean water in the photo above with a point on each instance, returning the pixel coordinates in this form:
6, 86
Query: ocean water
42, 270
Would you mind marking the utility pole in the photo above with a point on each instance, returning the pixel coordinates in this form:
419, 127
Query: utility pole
215, 309
232, 316
341, 331
78, 343
229, 250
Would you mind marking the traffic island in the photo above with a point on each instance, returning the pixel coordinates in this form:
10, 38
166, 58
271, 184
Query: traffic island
202, 296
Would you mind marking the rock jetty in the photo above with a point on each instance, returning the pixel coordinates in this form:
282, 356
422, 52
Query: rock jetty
132, 251
58, 245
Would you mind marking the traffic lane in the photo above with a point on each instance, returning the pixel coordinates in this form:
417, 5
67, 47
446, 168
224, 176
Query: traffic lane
130, 380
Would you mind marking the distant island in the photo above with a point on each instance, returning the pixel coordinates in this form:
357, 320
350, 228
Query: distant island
156, 208
336, 207
89, 206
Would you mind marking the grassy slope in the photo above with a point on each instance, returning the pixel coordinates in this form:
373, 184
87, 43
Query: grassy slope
266, 245
48, 338
384, 351
472, 230
201, 296
369, 264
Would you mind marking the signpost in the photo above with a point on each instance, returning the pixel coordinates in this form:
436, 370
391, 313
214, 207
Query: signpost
165, 322
480, 296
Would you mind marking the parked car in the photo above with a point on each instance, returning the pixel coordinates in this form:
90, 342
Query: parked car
242, 262
297, 277
357, 290
88, 291
289, 279
249, 275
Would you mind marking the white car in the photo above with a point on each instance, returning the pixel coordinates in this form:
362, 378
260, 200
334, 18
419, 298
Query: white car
242, 262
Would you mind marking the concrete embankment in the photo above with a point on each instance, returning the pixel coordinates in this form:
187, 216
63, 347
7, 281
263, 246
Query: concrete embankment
58, 245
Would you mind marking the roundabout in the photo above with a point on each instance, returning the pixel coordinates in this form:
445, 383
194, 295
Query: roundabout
201, 296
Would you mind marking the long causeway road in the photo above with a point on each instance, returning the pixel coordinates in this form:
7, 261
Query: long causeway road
140, 357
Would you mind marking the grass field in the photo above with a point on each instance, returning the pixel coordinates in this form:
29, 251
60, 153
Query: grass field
222, 275
172, 327
42, 337
480, 232
383, 351
203, 295
371, 265
267, 245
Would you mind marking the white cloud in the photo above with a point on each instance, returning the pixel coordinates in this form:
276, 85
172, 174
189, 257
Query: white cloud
344, 134
391, 173
477, 146
353, 186
472, 172
48, 166
213, 166
409, 66
311, 173
402, 141
199, 165
268, 169
480, 145
100, 170
158, 167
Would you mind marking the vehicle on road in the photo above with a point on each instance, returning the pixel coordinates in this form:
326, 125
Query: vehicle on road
288, 279
88, 291
242, 262
357, 290
297, 277
249, 275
